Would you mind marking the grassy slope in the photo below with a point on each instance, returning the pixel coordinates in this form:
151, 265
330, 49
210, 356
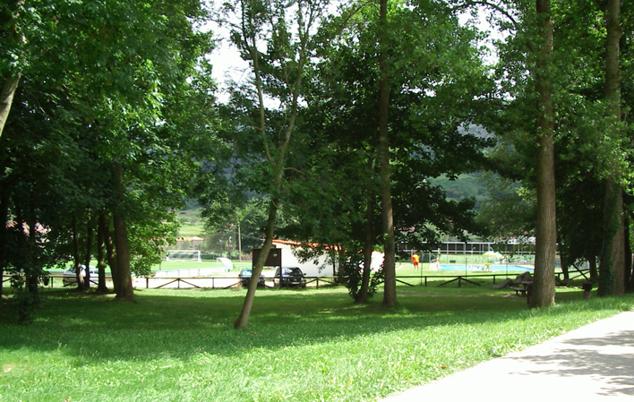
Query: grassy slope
467, 185
301, 345
192, 223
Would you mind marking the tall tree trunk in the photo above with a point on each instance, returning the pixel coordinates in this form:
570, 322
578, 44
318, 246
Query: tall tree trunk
32, 268
6, 99
565, 266
389, 259
243, 319
121, 238
612, 266
277, 159
76, 256
88, 254
629, 274
594, 273
278, 175
101, 257
4, 215
543, 293
110, 252
368, 247
11, 36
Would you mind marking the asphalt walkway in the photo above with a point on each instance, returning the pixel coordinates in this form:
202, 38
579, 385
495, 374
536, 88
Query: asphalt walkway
591, 363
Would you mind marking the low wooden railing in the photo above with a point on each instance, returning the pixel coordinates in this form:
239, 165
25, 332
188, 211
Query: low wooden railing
226, 282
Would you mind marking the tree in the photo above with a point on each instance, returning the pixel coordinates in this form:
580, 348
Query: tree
546, 230
278, 72
114, 100
383, 151
12, 40
612, 267
438, 79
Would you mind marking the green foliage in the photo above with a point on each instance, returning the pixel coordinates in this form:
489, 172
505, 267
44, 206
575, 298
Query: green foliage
434, 101
104, 83
351, 273
509, 210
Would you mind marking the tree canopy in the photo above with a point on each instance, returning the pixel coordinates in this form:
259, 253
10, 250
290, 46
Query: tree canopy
347, 122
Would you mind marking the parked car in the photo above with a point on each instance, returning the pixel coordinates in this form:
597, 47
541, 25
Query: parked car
69, 278
245, 277
291, 277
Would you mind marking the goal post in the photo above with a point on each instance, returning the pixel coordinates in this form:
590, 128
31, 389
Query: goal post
183, 255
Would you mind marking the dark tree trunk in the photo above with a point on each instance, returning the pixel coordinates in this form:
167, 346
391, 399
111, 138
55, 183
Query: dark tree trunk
121, 238
76, 256
32, 267
102, 229
368, 247
594, 273
11, 36
6, 99
389, 260
546, 232
612, 266
629, 273
88, 254
4, 214
110, 252
565, 267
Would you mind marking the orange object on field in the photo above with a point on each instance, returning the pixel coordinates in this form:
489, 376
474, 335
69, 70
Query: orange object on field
415, 260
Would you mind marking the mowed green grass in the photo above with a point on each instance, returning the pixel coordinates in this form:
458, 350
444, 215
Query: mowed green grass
301, 345
187, 229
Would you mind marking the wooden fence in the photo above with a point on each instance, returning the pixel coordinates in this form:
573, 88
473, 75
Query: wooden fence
226, 282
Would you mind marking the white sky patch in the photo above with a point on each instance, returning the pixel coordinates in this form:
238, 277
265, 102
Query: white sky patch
225, 59
482, 21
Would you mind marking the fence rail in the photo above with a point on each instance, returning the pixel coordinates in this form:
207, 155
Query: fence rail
227, 282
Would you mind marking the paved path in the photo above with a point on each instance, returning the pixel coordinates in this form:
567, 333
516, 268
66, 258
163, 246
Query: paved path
591, 363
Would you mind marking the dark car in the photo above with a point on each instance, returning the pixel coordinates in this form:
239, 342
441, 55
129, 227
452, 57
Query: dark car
245, 277
291, 277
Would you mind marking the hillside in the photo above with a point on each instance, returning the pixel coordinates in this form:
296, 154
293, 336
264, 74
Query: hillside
191, 221
471, 185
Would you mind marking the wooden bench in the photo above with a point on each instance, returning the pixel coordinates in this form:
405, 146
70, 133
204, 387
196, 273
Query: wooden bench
521, 289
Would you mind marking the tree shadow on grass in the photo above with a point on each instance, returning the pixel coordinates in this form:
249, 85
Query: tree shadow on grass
170, 324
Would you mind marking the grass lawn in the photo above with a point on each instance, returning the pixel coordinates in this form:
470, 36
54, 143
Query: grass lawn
189, 230
301, 345
191, 222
